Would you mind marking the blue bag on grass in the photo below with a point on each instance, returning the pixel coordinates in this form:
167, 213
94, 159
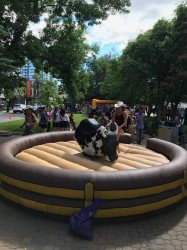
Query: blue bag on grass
81, 223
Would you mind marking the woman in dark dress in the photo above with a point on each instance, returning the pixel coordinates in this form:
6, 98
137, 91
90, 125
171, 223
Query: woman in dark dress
120, 118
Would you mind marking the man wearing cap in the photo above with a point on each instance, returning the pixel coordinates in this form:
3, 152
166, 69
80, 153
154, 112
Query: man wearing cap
120, 117
30, 121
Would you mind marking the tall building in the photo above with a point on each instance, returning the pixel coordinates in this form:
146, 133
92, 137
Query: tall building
28, 71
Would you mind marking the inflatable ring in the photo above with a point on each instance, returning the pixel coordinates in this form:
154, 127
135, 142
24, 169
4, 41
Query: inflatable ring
64, 192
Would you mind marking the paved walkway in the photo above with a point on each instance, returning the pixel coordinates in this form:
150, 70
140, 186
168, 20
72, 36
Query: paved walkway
21, 229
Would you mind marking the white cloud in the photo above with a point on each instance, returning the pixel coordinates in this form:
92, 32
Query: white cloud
89, 1
37, 28
117, 28
123, 27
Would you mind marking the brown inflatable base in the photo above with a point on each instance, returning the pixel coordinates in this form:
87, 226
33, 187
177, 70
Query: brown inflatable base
63, 192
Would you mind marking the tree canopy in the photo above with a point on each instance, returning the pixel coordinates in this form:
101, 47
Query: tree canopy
9, 74
61, 48
152, 68
92, 12
63, 41
48, 91
14, 20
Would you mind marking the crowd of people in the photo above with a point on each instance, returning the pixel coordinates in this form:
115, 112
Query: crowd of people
48, 120
57, 119
126, 118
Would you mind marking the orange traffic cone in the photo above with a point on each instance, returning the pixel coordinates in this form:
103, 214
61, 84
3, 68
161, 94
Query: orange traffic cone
10, 116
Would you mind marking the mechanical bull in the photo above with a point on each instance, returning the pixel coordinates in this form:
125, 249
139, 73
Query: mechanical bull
96, 140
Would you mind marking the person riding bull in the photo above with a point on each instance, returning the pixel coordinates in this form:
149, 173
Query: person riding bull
95, 140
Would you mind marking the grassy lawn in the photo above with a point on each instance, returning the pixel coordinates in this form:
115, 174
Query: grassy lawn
78, 118
14, 126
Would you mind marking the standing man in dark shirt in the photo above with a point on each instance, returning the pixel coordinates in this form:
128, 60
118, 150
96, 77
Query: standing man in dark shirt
139, 125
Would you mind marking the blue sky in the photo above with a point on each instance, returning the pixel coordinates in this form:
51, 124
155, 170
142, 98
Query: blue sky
113, 34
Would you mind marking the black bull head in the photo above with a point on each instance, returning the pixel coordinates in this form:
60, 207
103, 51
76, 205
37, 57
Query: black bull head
95, 140
110, 144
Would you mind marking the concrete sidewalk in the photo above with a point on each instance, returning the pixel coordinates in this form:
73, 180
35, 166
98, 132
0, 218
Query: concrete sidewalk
22, 229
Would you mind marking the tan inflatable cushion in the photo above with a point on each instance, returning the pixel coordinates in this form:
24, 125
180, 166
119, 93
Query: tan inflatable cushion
68, 155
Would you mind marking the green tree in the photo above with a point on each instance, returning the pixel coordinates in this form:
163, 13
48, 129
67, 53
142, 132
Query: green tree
112, 81
177, 54
7, 70
15, 17
167, 64
152, 69
97, 70
92, 12
9, 74
48, 91
61, 49
14, 20
150, 64
64, 52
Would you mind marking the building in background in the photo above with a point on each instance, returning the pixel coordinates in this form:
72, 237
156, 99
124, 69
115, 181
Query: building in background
32, 89
28, 71
2, 102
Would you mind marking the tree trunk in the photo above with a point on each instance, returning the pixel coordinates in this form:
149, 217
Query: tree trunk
185, 117
8, 106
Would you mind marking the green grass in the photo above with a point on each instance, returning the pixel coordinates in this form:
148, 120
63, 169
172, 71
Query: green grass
14, 126
78, 118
